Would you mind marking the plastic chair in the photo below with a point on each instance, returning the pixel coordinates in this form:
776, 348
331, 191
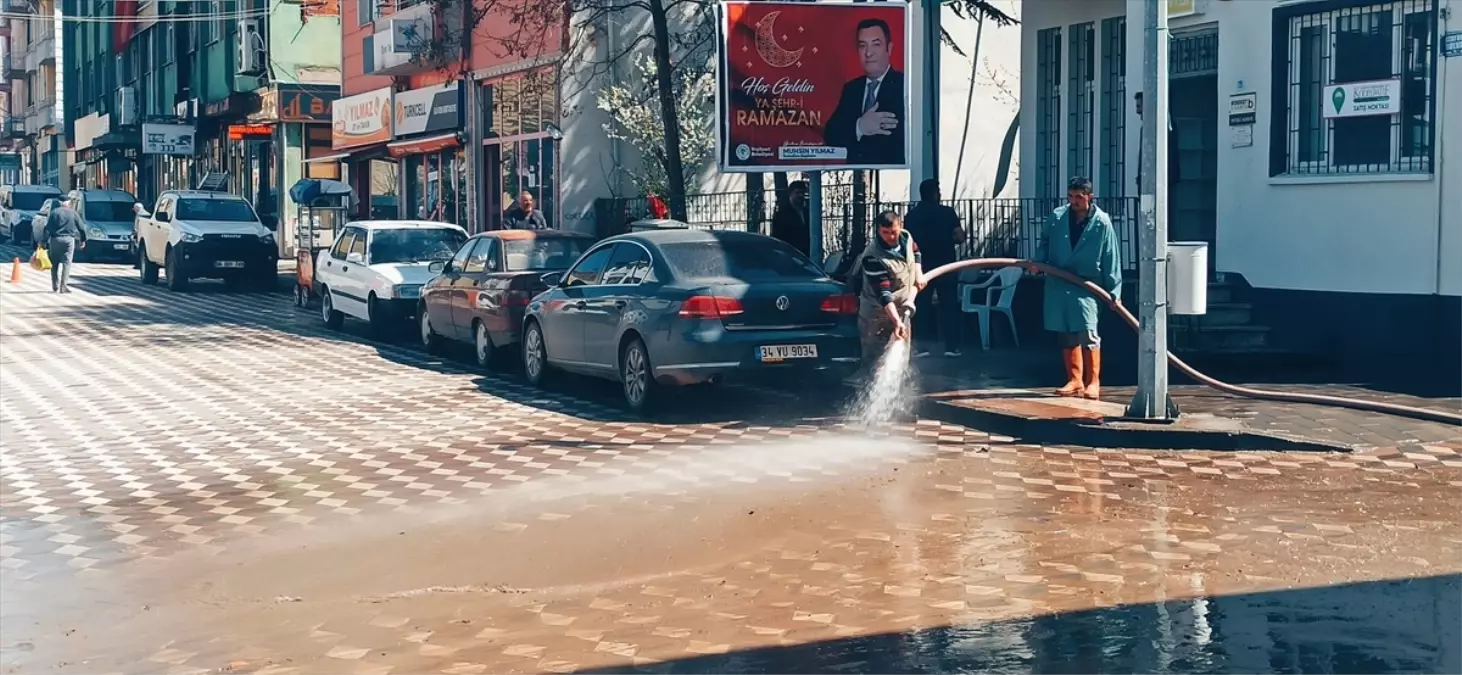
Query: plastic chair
999, 294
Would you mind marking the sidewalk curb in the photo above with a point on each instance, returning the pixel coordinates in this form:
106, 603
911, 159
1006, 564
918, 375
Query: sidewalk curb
1102, 434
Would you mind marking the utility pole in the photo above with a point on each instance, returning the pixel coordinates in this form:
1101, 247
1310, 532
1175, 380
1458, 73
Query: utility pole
930, 142
1152, 402
814, 217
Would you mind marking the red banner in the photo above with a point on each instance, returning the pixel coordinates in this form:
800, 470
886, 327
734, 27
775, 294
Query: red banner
808, 86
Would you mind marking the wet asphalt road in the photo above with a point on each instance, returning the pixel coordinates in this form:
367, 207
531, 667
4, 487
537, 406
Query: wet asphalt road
210, 482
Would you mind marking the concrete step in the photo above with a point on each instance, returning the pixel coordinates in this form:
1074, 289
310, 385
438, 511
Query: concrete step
1221, 338
1219, 314
1220, 294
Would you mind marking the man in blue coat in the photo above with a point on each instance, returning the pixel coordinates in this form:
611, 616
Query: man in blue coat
1080, 239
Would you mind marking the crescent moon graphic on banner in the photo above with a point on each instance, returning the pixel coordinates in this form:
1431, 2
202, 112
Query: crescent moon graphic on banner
766, 43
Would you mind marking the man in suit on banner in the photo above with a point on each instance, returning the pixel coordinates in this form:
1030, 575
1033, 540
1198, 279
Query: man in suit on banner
869, 119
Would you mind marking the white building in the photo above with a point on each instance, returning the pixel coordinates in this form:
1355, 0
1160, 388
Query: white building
1339, 221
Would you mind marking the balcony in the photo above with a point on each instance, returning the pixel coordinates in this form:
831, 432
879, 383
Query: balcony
42, 116
14, 127
41, 52
20, 6
7, 68
402, 39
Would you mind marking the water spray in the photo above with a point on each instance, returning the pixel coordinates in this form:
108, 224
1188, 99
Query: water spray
1233, 389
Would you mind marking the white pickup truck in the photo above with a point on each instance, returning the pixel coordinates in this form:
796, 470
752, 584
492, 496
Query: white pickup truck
195, 234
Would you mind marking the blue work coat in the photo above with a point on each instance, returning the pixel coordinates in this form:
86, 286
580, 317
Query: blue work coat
1069, 309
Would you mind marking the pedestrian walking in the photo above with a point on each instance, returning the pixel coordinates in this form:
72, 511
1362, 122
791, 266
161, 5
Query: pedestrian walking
789, 219
891, 278
937, 229
1080, 240
524, 216
64, 235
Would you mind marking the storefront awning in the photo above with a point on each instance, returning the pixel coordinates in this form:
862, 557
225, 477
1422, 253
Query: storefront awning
327, 158
422, 146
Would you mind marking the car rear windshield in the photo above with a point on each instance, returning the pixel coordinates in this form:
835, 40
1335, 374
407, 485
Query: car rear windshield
543, 253
109, 211
229, 210
748, 258
30, 201
415, 245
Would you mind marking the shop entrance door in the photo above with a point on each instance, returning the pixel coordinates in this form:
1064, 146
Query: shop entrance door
524, 164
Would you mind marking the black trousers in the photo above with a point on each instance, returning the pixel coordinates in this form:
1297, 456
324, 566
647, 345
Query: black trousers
948, 315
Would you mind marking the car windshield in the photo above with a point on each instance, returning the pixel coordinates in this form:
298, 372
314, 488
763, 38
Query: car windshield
741, 258
415, 245
109, 211
30, 201
229, 210
543, 253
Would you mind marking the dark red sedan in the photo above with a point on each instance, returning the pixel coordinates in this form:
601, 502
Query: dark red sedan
479, 296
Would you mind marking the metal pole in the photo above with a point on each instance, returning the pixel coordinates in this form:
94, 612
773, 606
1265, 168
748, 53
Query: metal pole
814, 216
1152, 402
930, 154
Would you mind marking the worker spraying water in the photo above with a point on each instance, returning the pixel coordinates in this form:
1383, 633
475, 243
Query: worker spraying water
889, 277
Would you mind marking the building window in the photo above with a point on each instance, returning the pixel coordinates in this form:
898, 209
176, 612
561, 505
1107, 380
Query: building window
1114, 107
1343, 53
367, 11
215, 25
1081, 75
1048, 114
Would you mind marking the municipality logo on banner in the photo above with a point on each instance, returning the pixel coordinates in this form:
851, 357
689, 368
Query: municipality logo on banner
813, 86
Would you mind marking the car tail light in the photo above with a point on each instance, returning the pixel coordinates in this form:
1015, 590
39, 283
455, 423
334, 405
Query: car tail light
709, 307
517, 299
845, 304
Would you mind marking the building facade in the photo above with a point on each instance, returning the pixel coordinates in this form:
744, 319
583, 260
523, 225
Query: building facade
1310, 140
34, 123
176, 91
461, 125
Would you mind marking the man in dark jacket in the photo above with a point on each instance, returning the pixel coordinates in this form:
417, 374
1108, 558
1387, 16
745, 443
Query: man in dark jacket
64, 234
524, 216
937, 229
789, 221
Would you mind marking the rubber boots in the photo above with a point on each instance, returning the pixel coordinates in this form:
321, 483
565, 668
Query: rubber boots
1093, 362
1075, 386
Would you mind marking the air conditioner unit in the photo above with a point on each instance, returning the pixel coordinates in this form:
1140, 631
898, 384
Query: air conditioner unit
126, 112
252, 56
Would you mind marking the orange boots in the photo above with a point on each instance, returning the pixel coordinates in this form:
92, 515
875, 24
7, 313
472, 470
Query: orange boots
1093, 359
1074, 383
1083, 372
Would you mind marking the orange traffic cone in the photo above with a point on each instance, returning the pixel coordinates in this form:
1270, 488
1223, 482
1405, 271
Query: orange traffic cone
15, 271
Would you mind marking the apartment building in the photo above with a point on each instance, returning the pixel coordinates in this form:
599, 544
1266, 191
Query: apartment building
32, 84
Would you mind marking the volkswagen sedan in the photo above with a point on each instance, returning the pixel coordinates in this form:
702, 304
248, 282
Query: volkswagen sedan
677, 307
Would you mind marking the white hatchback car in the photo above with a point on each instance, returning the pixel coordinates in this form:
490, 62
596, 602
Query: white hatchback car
375, 269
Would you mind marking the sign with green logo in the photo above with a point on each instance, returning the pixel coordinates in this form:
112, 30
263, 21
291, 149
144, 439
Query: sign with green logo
1360, 99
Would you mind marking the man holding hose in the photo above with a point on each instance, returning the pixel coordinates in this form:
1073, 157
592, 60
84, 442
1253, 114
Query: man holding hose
1080, 240
891, 278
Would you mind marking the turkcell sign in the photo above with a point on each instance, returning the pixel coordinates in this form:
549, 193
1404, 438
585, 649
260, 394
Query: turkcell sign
429, 109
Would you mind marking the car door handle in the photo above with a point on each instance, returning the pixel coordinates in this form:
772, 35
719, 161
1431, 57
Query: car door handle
343, 268
620, 304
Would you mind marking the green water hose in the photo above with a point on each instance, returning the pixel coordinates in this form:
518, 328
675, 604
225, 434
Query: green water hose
1412, 412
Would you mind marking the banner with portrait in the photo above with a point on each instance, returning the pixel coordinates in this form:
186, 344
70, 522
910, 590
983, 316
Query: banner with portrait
812, 86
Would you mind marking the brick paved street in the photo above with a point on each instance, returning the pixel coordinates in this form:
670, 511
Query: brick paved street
214, 482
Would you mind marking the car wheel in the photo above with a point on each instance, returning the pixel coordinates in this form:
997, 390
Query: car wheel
376, 316
489, 356
177, 281
535, 355
429, 337
333, 319
637, 376
149, 270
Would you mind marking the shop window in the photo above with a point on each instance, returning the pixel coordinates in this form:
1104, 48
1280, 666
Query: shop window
1386, 45
317, 144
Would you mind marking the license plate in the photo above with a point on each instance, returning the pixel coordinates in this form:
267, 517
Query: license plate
410, 291
775, 353
228, 264
121, 247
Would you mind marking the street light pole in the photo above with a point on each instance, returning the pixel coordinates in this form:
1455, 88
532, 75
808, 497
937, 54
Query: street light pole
1152, 401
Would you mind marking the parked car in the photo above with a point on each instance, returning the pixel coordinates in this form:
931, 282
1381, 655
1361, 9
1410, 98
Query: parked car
481, 294
375, 269
109, 217
677, 307
18, 207
195, 234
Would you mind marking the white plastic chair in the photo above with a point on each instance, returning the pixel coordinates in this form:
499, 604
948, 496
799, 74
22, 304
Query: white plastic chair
999, 294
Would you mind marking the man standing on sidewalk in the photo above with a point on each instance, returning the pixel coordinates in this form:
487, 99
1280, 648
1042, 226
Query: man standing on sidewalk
937, 229
64, 234
1080, 240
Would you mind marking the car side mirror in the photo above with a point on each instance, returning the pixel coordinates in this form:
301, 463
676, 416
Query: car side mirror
163, 217
551, 279
140, 211
355, 258
437, 267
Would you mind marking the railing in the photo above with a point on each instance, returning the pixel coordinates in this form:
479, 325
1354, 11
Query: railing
993, 227
14, 127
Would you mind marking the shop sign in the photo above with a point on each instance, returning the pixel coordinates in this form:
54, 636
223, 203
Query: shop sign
1452, 43
87, 129
240, 132
1243, 108
429, 109
305, 106
363, 119
167, 139
1360, 99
